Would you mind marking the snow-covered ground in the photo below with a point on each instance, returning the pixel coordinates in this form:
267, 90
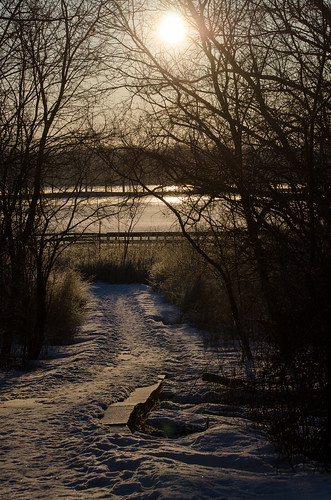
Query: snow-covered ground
54, 445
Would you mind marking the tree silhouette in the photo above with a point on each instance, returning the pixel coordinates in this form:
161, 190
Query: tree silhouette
51, 64
239, 118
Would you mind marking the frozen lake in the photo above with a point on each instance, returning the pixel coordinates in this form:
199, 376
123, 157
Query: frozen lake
103, 212
112, 214
97, 211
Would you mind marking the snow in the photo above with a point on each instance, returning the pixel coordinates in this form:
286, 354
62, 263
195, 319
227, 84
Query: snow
54, 444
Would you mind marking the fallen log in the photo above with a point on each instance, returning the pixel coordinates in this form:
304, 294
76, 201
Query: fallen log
309, 402
232, 383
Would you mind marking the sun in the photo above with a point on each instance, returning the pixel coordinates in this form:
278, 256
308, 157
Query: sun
171, 29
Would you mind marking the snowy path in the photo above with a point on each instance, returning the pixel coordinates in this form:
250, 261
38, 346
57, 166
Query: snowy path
53, 444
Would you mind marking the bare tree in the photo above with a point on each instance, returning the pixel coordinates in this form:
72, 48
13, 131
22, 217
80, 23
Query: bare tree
251, 93
52, 76
239, 116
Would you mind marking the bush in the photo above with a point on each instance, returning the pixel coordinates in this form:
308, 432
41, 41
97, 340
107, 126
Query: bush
113, 263
67, 298
186, 280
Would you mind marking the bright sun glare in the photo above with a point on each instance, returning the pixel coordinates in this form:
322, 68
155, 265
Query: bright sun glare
171, 29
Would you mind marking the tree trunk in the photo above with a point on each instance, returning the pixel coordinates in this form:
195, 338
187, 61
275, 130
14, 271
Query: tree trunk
36, 339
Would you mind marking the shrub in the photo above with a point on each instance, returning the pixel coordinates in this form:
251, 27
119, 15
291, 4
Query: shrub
67, 298
186, 280
112, 263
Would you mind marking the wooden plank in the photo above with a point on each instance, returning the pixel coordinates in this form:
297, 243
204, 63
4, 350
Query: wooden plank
119, 413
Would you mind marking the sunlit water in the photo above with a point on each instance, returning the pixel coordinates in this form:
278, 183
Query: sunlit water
98, 212
114, 213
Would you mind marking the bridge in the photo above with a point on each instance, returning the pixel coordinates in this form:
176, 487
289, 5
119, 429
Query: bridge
120, 237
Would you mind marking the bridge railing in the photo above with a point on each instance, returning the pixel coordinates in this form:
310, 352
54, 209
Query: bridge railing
118, 237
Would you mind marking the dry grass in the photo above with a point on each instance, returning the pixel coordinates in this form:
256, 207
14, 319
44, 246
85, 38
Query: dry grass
67, 298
